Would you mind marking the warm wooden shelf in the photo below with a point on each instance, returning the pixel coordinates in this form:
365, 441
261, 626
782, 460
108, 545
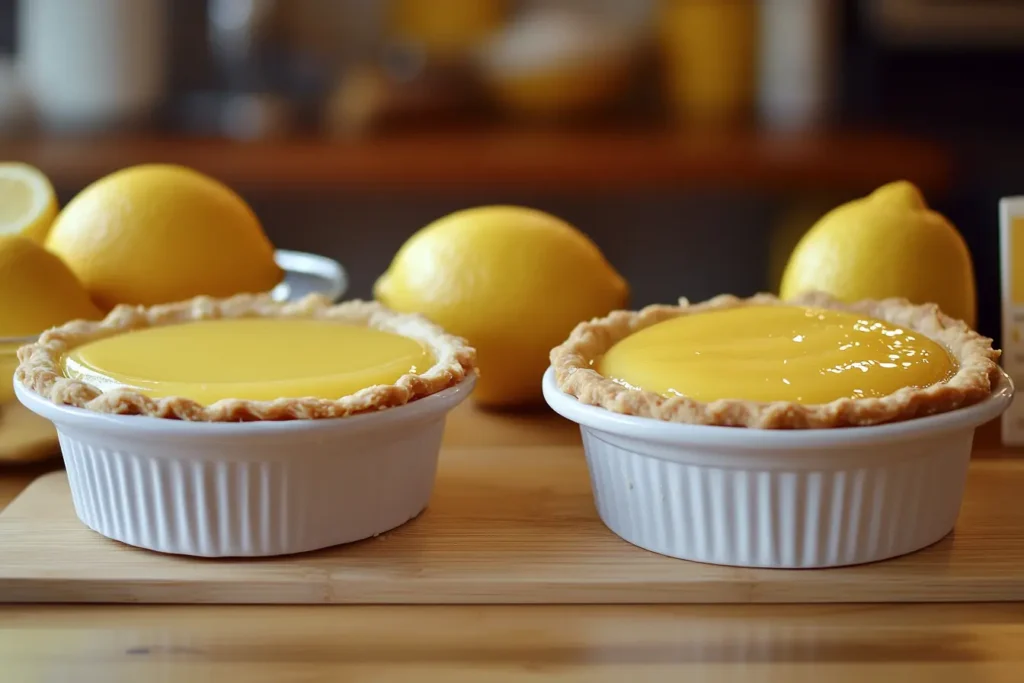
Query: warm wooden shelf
536, 161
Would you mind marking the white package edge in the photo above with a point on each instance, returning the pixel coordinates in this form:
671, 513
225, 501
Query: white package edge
1012, 422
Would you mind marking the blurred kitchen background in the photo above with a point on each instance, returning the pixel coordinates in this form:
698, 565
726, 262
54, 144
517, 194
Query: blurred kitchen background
693, 140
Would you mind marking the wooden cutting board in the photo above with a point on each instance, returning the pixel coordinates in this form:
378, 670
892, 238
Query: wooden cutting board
506, 525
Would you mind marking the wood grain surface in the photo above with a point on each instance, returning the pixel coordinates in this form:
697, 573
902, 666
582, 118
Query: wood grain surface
15, 478
506, 525
617, 161
470, 426
586, 644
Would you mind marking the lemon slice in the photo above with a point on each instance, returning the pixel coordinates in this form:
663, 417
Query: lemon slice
28, 203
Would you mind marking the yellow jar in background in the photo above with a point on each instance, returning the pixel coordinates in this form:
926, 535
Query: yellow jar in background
554, 63
709, 49
447, 28
24, 436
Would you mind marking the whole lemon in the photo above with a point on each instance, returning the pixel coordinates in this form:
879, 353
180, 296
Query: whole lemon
37, 289
513, 281
888, 244
157, 233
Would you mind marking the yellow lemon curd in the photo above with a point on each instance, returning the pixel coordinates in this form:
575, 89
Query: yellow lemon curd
776, 353
250, 358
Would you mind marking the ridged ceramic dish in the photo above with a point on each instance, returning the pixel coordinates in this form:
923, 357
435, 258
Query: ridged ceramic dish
778, 498
250, 488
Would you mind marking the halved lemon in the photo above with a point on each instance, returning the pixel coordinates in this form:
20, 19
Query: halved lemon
28, 203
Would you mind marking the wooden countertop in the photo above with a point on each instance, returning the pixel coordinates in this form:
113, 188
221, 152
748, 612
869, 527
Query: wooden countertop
581, 161
510, 643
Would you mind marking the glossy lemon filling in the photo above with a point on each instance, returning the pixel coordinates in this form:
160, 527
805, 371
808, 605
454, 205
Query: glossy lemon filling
251, 358
776, 353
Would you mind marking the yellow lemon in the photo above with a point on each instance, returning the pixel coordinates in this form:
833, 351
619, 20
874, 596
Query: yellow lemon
157, 233
884, 245
513, 281
27, 201
38, 291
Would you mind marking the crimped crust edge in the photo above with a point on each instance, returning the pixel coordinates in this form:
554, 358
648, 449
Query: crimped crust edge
977, 372
40, 363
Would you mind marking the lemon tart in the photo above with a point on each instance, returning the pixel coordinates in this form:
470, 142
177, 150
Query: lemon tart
246, 358
810, 362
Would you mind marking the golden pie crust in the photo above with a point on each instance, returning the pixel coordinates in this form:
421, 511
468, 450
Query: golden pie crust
40, 367
977, 372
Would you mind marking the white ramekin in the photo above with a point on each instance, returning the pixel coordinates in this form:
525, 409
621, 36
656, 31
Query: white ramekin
249, 488
772, 498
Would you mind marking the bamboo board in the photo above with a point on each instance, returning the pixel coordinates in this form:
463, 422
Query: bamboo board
506, 525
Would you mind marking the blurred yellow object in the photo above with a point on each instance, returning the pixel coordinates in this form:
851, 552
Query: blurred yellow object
558, 91
555, 63
513, 281
158, 233
24, 436
37, 292
447, 28
37, 289
8, 364
28, 204
888, 244
709, 49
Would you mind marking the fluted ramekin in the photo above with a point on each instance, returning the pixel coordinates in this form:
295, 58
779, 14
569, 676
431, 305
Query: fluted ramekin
250, 488
774, 498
